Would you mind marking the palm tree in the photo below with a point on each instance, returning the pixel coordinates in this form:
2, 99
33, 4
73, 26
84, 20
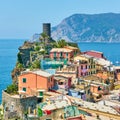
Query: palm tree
60, 43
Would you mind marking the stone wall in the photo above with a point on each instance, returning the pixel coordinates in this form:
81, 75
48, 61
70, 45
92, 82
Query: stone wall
17, 104
25, 55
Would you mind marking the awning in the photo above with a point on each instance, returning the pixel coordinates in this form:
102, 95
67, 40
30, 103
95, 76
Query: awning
48, 112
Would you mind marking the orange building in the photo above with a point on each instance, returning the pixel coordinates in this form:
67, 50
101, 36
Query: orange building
96, 89
33, 81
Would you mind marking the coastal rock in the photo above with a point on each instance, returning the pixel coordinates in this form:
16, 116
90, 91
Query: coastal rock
89, 28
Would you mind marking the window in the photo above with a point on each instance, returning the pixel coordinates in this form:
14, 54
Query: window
66, 54
81, 67
91, 66
54, 54
48, 79
61, 54
99, 88
88, 91
51, 79
24, 80
41, 93
24, 89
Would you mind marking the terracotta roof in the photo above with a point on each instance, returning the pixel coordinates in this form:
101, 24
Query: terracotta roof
61, 50
71, 47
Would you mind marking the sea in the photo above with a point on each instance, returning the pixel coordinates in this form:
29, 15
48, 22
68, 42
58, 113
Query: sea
9, 50
8, 58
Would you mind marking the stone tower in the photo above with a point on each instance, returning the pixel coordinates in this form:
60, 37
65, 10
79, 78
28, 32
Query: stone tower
47, 29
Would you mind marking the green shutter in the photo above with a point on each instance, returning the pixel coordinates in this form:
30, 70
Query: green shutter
24, 80
40, 112
41, 93
54, 54
24, 89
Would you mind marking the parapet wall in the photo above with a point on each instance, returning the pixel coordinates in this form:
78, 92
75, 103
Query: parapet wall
17, 104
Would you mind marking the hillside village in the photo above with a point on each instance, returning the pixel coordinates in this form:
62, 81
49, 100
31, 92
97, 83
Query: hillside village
55, 80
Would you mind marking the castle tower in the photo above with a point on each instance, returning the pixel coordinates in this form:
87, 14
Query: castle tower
47, 29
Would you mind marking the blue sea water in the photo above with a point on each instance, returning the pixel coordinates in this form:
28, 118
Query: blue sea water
110, 50
9, 50
8, 56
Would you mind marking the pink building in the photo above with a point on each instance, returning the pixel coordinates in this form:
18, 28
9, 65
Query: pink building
61, 53
83, 69
95, 54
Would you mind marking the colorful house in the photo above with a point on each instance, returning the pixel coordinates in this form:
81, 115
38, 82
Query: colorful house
86, 65
75, 49
95, 54
63, 82
35, 82
96, 89
70, 71
61, 54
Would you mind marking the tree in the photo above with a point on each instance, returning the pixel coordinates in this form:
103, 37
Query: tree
35, 64
37, 48
12, 89
19, 57
44, 38
19, 65
60, 43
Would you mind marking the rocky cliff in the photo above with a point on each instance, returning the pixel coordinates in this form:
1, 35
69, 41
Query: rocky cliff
89, 28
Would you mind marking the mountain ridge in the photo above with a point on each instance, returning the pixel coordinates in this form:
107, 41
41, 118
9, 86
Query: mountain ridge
103, 27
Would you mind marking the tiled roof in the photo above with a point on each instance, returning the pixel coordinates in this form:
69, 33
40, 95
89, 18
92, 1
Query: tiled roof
42, 73
117, 67
102, 61
38, 72
57, 104
71, 47
95, 51
87, 56
61, 50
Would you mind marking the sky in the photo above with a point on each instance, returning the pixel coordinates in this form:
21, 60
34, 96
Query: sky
22, 18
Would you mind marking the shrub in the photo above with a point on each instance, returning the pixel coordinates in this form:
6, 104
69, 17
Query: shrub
12, 89
35, 64
37, 48
19, 57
